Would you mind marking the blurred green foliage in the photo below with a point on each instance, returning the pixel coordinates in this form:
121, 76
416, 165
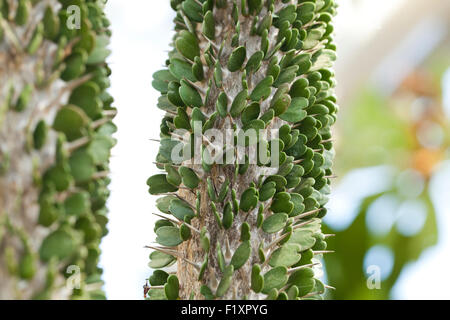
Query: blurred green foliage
346, 270
378, 130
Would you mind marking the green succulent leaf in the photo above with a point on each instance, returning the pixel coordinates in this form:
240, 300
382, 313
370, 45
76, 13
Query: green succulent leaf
228, 216
59, 244
158, 278
239, 104
254, 62
237, 59
282, 203
187, 45
189, 95
181, 69
168, 236
222, 104
304, 238
158, 184
295, 112
163, 203
172, 287
181, 121
209, 26
276, 278
250, 113
71, 121
262, 90
303, 279
275, 222
241, 255
181, 209
225, 282
77, 204
257, 280
249, 200
189, 177
286, 256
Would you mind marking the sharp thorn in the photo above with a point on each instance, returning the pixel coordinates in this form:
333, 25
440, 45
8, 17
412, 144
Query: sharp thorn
302, 267
323, 251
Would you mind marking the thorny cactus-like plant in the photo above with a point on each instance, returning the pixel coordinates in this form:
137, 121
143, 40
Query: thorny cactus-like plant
236, 225
55, 141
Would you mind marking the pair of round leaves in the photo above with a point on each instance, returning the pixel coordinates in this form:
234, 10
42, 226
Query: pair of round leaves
209, 25
189, 177
257, 280
262, 90
280, 182
304, 280
254, 62
181, 210
295, 112
160, 260
49, 210
82, 165
267, 191
71, 120
161, 223
59, 244
163, 203
190, 95
241, 255
275, 222
239, 103
275, 278
58, 177
172, 287
286, 255
187, 45
282, 203
180, 69
77, 204
250, 113
158, 184
193, 10
168, 236
228, 216
249, 199
162, 78
237, 59
158, 278
225, 282
304, 238
86, 97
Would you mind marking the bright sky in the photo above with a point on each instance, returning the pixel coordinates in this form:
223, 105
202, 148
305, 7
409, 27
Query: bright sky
142, 30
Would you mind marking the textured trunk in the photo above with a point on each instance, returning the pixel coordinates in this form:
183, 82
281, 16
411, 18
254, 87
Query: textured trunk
46, 121
231, 86
264, 232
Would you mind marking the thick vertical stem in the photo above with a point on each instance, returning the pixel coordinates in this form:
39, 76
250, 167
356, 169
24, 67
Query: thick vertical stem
265, 66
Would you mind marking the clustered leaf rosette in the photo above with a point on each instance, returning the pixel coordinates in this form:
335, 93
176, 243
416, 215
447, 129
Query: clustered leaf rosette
249, 228
55, 142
